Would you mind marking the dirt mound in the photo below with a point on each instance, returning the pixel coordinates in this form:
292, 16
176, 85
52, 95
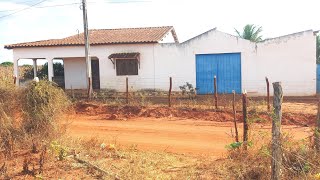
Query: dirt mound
88, 108
127, 112
299, 119
121, 112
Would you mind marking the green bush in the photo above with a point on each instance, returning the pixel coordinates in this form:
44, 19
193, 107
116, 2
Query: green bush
42, 72
43, 104
6, 64
189, 90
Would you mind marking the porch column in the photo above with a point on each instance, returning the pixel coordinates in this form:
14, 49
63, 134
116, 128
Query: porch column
35, 67
50, 68
16, 71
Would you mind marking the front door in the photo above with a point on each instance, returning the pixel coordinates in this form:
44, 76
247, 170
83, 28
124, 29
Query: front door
95, 74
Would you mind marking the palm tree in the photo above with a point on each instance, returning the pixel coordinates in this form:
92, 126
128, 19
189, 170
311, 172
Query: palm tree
251, 33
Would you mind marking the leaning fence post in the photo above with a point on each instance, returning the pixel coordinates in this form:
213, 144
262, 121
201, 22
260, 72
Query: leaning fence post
245, 120
169, 96
215, 92
268, 93
234, 115
276, 131
127, 90
317, 131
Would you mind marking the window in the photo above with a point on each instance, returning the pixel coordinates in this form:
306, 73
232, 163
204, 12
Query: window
126, 67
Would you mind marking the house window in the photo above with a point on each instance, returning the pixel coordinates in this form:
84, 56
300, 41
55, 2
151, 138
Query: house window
126, 67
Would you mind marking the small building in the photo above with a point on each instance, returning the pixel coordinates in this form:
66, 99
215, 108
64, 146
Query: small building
149, 56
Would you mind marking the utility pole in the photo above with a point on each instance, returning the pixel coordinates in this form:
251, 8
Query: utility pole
87, 47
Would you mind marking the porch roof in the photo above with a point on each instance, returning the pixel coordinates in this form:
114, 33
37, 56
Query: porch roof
132, 55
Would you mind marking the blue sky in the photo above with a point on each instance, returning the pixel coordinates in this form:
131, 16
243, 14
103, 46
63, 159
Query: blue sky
189, 17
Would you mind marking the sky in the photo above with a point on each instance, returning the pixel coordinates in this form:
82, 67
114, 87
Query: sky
52, 19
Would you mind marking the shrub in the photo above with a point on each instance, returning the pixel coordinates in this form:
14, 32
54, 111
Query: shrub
42, 73
43, 104
188, 89
8, 108
6, 75
6, 64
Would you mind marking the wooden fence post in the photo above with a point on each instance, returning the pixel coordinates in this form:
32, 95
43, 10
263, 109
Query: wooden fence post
72, 93
14, 80
215, 92
89, 88
127, 90
268, 93
170, 88
234, 115
245, 120
276, 131
317, 131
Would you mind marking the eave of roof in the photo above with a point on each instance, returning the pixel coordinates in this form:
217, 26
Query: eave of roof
105, 37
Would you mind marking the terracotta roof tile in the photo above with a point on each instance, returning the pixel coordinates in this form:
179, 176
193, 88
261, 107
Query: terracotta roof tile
105, 36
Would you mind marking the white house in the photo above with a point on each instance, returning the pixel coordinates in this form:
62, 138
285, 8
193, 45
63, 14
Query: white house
142, 55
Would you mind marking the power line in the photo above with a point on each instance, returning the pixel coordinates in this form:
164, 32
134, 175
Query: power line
70, 4
60, 5
22, 9
24, 2
122, 2
49, 6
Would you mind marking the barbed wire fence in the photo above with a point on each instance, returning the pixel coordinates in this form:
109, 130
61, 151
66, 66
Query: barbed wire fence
183, 90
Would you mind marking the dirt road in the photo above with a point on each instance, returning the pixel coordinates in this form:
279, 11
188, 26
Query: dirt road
166, 134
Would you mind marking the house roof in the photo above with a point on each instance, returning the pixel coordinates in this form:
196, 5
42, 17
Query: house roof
106, 36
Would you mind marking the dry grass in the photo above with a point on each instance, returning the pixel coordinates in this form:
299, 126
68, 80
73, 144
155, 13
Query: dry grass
130, 163
299, 160
9, 106
6, 75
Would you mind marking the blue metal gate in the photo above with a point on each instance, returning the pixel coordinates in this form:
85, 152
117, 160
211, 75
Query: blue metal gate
227, 69
318, 78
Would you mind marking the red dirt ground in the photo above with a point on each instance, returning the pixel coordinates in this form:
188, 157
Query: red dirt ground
170, 129
189, 131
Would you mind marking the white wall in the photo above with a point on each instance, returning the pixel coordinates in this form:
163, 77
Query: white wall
178, 61
75, 73
290, 59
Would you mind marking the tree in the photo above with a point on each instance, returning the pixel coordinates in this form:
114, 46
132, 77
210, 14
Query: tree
42, 73
318, 49
58, 70
251, 32
6, 64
